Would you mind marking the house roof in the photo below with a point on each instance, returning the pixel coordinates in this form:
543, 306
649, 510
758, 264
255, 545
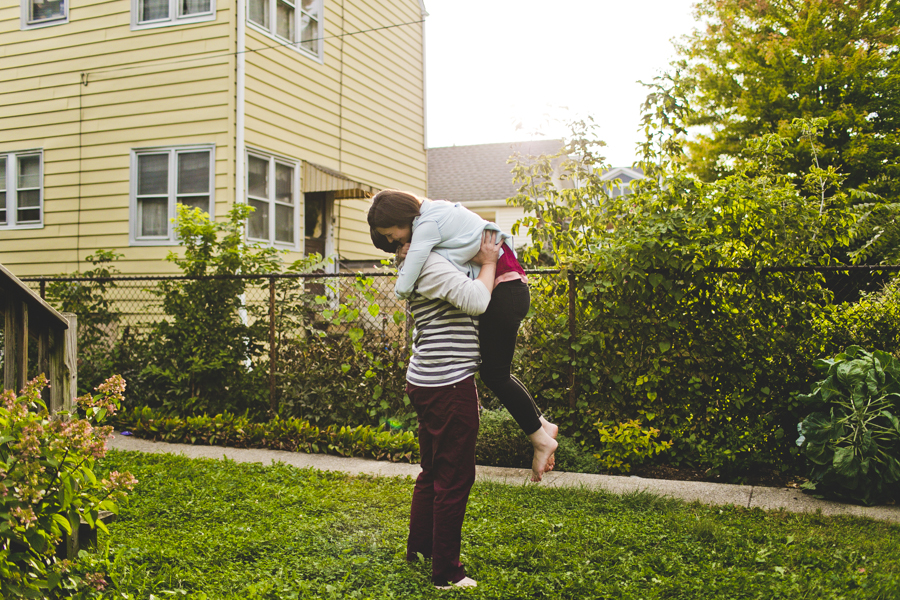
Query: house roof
479, 172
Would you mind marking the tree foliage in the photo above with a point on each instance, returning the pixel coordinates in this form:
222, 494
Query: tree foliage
759, 64
713, 360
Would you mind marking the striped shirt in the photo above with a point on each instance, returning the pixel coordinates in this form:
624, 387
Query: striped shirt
445, 340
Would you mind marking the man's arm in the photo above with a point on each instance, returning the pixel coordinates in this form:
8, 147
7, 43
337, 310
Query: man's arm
440, 279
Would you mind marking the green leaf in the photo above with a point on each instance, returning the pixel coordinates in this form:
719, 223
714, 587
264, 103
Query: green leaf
845, 463
664, 347
63, 522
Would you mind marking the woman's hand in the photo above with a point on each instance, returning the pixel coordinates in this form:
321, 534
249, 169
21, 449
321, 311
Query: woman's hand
401, 252
489, 253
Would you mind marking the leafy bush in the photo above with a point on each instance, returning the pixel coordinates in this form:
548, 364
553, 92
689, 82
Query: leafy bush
48, 486
204, 357
871, 322
334, 366
97, 317
292, 434
501, 442
852, 441
719, 357
626, 443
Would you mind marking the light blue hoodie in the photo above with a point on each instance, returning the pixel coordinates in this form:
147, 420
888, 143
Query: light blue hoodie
451, 230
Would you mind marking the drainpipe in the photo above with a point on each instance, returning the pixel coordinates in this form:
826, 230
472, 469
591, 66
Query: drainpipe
424, 14
239, 149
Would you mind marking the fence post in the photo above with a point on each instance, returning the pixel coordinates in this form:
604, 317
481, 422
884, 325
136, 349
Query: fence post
572, 333
272, 349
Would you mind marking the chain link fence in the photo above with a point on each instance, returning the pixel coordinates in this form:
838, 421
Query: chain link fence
292, 307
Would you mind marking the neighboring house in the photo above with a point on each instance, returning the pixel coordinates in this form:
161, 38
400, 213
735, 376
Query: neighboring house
113, 112
479, 177
624, 175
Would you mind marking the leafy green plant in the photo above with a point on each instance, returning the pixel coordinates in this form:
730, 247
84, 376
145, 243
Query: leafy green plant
852, 441
293, 434
341, 357
205, 352
98, 317
719, 357
48, 485
501, 442
627, 444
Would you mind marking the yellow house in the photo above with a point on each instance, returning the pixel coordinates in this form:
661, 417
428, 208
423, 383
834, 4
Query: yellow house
113, 112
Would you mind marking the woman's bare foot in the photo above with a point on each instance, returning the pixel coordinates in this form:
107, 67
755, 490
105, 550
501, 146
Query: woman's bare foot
552, 430
544, 447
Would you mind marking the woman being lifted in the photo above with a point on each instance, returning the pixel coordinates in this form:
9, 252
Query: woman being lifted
402, 222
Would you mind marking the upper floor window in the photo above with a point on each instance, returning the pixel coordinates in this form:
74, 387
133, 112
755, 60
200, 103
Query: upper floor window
296, 21
162, 178
159, 13
272, 191
40, 13
21, 189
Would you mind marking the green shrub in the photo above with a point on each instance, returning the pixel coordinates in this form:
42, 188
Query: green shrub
48, 486
501, 443
871, 322
852, 441
292, 434
624, 444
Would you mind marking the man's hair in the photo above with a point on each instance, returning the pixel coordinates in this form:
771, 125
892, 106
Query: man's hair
393, 208
381, 242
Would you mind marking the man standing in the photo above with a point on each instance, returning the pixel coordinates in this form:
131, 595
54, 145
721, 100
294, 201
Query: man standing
441, 385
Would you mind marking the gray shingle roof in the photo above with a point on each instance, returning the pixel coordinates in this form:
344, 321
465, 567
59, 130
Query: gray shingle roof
479, 172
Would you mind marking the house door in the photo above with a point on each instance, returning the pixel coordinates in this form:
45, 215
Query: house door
317, 221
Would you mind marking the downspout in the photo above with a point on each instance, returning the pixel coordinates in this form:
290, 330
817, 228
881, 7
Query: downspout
239, 148
239, 153
424, 83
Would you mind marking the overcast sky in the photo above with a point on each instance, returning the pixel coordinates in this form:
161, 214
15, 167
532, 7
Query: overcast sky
493, 64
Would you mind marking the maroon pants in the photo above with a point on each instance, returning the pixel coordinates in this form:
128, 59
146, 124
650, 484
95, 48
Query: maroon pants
448, 428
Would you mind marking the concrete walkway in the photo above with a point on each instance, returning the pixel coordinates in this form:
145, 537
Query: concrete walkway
767, 498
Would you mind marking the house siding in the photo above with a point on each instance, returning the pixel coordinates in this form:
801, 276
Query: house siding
176, 86
144, 89
346, 114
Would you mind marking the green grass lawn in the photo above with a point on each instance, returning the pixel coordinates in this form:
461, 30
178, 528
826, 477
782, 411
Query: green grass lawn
220, 529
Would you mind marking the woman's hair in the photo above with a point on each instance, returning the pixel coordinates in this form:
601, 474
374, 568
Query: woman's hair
381, 242
393, 208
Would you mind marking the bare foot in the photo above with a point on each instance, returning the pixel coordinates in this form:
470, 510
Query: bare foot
544, 447
551, 430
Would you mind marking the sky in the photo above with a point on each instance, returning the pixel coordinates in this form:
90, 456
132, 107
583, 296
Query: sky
504, 69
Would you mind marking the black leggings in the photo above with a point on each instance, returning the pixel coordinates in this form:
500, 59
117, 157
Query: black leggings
497, 331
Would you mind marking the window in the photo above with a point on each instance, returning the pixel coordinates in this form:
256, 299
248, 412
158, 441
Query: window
159, 13
21, 190
272, 191
296, 21
162, 178
41, 13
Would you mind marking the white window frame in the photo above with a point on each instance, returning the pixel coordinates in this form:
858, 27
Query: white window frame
12, 189
273, 160
174, 18
272, 28
170, 239
28, 23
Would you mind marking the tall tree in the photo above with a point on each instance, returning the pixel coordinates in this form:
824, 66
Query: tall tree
759, 64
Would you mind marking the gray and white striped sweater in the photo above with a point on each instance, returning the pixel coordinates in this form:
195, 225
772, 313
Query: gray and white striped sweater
445, 341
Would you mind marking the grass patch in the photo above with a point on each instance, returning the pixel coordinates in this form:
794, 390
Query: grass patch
220, 529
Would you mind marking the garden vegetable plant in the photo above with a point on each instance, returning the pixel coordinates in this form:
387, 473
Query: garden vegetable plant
852, 440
